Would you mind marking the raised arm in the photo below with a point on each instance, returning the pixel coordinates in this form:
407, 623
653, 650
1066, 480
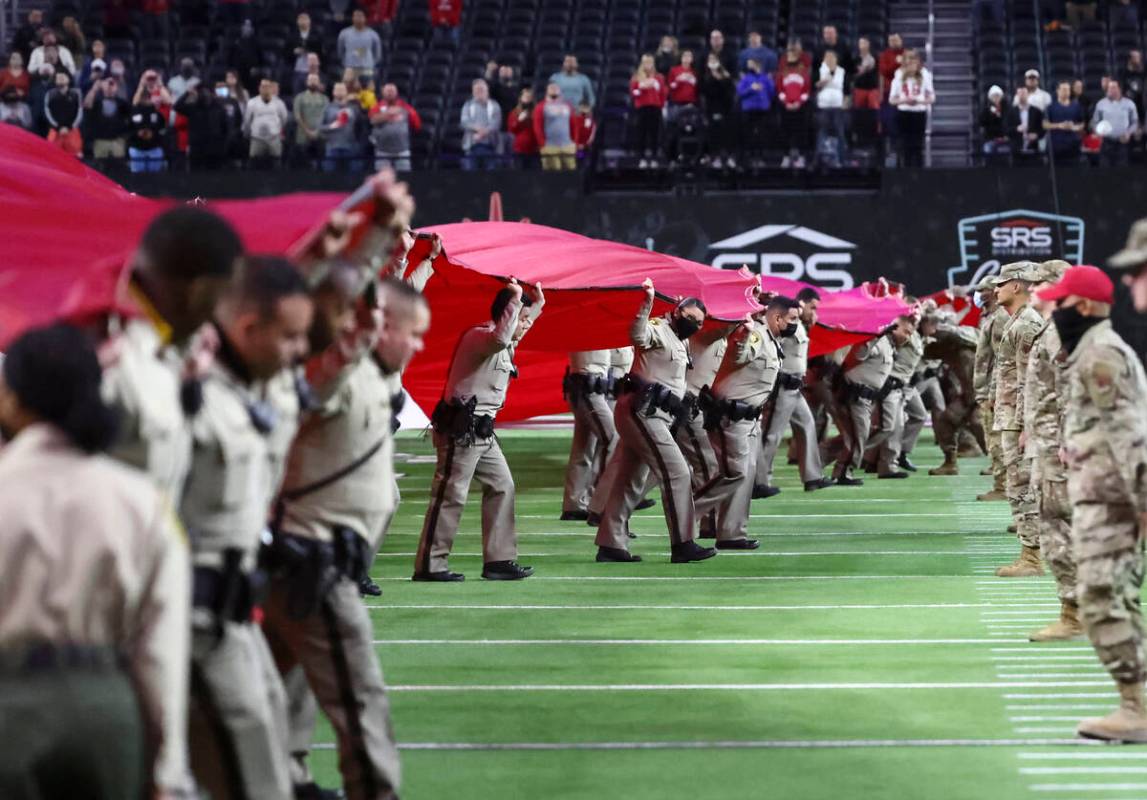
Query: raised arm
643, 333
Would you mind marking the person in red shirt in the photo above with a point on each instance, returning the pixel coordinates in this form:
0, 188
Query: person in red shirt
890, 61
584, 129
793, 87
520, 123
649, 92
683, 81
446, 16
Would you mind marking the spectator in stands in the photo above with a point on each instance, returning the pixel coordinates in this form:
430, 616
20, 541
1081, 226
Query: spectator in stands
177, 84
314, 67
107, 118
64, 110
889, 63
246, 57
151, 84
1124, 14
237, 89
1024, 126
367, 97
145, 135
50, 46
309, 107
14, 78
446, 19
14, 109
340, 131
755, 91
866, 84
72, 39
830, 119
793, 88
683, 83
118, 70
210, 125
576, 88
1064, 124
42, 83
584, 130
264, 121
717, 96
96, 62
481, 121
724, 54
553, 130
912, 94
505, 87
155, 21
760, 52
1080, 95
1080, 10
1037, 96
359, 47
27, 36
393, 119
667, 56
521, 126
993, 121
339, 9
1133, 77
1116, 121
830, 43
649, 92
304, 42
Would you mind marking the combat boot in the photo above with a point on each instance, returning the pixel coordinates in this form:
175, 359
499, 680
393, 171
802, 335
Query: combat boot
950, 466
1066, 628
991, 496
1128, 723
1026, 566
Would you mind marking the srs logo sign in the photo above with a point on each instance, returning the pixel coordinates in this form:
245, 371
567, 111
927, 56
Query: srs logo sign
789, 251
991, 240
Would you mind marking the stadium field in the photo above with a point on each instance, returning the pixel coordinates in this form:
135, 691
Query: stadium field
865, 651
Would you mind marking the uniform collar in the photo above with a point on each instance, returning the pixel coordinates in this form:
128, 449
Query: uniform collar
38, 436
1094, 332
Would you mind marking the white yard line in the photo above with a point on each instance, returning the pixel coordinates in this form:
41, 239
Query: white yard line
640, 607
1088, 787
702, 642
1121, 755
723, 687
738, 578
764, 744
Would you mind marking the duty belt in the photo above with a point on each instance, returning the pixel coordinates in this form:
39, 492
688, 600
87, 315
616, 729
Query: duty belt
790, 380
312, 567
861, 391
732, 410
890, 385
927, 374
458, 421
33, 657
652, 397
577, 385
229, 593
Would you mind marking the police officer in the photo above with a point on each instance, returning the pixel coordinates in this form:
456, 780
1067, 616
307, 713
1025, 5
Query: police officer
463, 423
744, 384
1133, 259
585, 387
992, 323
867, 368
955, 346
1045, 402
894, 422
1105, 449
94, 625
1013, 292
790, 407
238, 706
651, 399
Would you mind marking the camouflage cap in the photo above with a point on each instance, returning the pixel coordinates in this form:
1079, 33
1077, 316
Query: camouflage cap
987, 284
1052, 271
1018, 271
1135, 251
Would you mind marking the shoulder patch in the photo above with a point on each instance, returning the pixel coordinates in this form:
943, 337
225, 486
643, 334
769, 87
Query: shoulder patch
754, 337
655, 321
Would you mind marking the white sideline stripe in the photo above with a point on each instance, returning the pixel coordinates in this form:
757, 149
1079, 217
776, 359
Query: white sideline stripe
1038, 659
1061, 707
719, 687
1018, 613
1122, 755
1088, 787
739, 578
1062, 696
1040, 718
588, 533
1046, 729
1088, 674
742, 642
981, 518
757, 553
638, 607
1083, 770
1052, 667
1035, 649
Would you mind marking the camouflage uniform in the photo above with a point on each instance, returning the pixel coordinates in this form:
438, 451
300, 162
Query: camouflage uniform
955, 346
1105, 437
991, 331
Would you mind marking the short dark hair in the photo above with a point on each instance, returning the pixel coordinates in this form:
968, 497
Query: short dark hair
264, 280
56, 375
502, 299
692, 302
394, 289
782, 303
190, 243
807, 294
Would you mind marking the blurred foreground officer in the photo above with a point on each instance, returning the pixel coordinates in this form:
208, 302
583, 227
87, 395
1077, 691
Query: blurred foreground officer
238, 708
1105, 449
867, 367
992, 323
476, 385
185, 260
94, 624
1133, 259
586, 387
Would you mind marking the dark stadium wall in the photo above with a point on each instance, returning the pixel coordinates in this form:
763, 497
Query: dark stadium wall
928, 229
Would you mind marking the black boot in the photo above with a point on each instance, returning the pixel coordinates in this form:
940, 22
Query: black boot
446, 576
691, 551
648, 502
574, 516
738, 544
761, 492
368, 588
505, 571
616, 555
820, 483
904, 463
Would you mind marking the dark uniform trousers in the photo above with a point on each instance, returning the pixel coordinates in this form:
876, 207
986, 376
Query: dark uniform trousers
334, 645
458, 464
738, 446
594, 439
790, 407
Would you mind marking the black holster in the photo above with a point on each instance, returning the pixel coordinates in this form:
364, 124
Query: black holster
230, 594
890, 385
856, 390
458, 421
311, 568
789, 380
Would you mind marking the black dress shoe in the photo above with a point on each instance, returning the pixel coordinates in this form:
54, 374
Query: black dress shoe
869, 467
574, 516
819, 483
368, 588
592, 519
761, 492
847, 481
892, 475
505, 571
904, 463
312, 791
648, 502
707, 535
691, 551
438, 577
738, 544
616, 555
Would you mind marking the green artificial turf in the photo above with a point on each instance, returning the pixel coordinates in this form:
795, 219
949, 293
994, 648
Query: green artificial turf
866, 650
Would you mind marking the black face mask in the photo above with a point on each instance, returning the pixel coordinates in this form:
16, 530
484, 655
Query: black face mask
789, 330
1072, 326
684, 327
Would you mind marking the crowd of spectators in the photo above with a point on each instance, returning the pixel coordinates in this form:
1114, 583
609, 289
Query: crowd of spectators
838, 105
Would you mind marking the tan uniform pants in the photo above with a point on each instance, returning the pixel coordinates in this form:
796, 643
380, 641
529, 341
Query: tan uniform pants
915, 415
1055, 524
237, 716
594, 439
995, 448
856, 428
790, 408
698, 451
335, 647
738, 446
889, 432
956, 415
1021, 496
458, 464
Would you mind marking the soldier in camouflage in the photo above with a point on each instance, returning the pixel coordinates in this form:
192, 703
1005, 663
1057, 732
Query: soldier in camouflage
1105, 451
1133, 259
991, 330
1013, 291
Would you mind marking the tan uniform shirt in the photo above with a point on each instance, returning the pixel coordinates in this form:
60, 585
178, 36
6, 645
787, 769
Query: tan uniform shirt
991, 330
93, 555
1013, 350
659, 356
283, 397
907, 357
873, 363
1045, 397
750, 368
143, 383
795, 351
620, 361
590, 362
706, 351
